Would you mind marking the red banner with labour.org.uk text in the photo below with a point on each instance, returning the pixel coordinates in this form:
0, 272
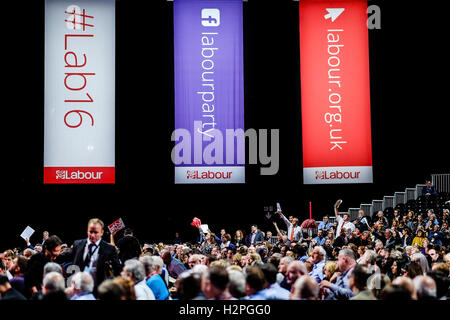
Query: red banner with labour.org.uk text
335, 91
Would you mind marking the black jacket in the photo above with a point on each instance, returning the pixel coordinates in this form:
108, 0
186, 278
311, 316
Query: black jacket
107, 259
12, 294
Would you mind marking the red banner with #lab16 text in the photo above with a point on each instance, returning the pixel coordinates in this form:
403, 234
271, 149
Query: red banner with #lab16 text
335, 92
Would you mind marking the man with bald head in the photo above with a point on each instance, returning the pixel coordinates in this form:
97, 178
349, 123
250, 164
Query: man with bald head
305, 288
295, 270
340, 290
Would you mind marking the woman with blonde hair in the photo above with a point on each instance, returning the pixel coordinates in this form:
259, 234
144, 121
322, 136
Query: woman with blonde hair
239, 238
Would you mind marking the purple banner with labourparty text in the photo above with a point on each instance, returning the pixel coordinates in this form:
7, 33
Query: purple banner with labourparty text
209, 92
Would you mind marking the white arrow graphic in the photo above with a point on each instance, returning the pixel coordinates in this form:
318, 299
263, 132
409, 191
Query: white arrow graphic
333, 13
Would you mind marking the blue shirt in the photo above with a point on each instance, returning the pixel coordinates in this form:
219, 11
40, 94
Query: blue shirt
320, 241
324, 225
156, 283
317, 272
274, 292
83, 296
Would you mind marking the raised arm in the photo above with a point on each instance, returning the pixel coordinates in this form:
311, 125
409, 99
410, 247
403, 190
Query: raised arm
336, 207
278, 230
286, 221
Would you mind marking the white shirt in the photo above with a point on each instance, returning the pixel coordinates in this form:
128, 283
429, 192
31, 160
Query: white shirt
349, 227
143, 291
94, 255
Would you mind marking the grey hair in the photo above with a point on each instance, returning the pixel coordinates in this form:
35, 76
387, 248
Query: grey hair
52, 267
321, 250
370, 256
54, 282
348, 253
236, 284
151, 262
83, 281
421, 260
136, 268
425, 287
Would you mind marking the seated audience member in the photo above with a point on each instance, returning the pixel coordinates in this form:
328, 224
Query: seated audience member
358, 283
153, 268
295, 270
82, 287
341, 289
425, 288
305, 288
272, 290
254, 283
214, 284
111, 290
134, 270
236, 284
53, 286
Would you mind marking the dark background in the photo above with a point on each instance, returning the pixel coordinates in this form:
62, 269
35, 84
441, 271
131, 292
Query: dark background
409, 79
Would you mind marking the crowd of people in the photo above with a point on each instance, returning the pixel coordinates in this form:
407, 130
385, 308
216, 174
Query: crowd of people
401, 257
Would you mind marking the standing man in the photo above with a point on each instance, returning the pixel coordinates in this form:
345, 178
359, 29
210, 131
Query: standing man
343, 222
294, 231
35, 266
255, 236
94, 255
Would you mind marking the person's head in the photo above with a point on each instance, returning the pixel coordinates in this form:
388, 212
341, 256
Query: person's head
254, 228
111, 290
318, 254
239, 234
358, 278
166, 257
326, 219
4, 284
214, 281
152, 264
295, 270
320, 233
269, 234
188, 285
419, 233
421, 260
270, 273
230, 253
406, 283
8, 257
45, 235
52, 267
53, 282
388, 233
28, 253
305, 287
329, 269
413, 270
128, 287
133, 270
345, 216
377, 283
428, 183
236, 284
19, 266
52, 247
284, 262
442, 282
254, 280
95, 230
394, 292
82, 282
346, 258
294, 222
128, 232
425, 287
433, 254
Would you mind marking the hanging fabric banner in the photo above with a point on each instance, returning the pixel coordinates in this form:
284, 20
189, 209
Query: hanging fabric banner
209, 92
335, 92
79, 128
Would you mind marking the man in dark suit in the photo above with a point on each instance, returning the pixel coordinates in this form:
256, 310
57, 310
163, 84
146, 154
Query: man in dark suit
93, 255
255, 236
